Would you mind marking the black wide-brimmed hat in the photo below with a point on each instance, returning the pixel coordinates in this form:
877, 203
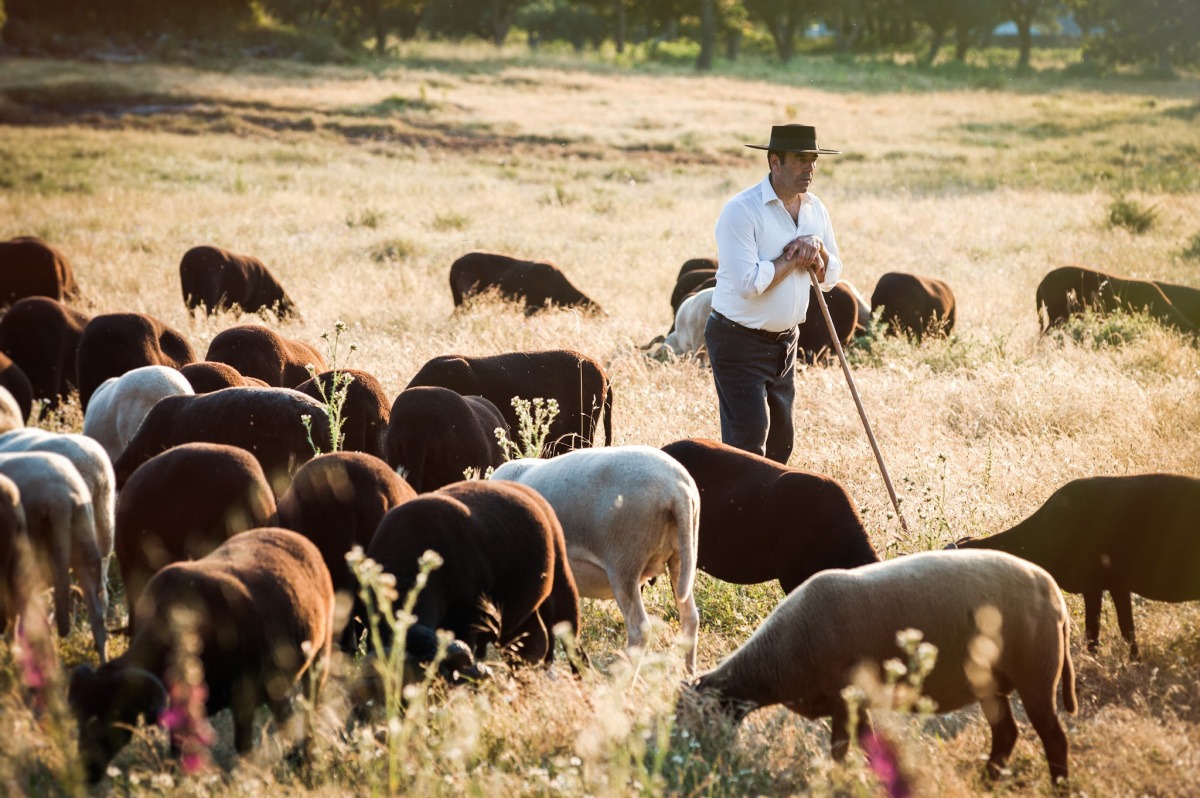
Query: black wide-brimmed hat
794, 138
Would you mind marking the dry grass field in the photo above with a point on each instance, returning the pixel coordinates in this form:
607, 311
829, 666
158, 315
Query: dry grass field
360, 186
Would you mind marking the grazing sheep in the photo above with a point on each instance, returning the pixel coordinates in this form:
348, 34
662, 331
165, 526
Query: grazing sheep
1185, 299
760, 520
337, 501
1069, 290
687, 335
1131, 534
92, 463
10, 412
15, 571
689, 283
628, 514
436, 436
13, 379
695, 264
365, 411
114, 343
260, 352
267, 422
41, 336
864, 307
216, 279
535, 283
502, 545
577, 382
208, 376
62, 533
914, 306
31, 267
262, 605
807, 651
181, 505
120, 404
814, 342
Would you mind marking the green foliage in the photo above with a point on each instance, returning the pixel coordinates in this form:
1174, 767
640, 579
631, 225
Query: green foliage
1131, 214
1100, 331
1192, 250
533, 427
445, 222
562, 20
1165, 33
367, 217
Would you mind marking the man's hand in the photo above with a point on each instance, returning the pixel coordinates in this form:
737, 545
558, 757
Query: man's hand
809, 252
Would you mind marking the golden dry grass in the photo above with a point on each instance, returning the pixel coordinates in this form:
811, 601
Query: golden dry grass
359, 188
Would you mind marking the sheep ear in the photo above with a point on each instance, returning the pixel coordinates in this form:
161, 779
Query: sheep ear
81, 678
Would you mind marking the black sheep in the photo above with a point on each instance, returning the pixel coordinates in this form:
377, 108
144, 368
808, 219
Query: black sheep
364, 412
42, 336
216, 279
114, 343
535, 283
436, 435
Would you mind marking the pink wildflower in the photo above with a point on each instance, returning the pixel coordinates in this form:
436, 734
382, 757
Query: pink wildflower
882, 758
186, 721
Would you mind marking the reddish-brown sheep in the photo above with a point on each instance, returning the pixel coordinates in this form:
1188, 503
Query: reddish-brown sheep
577, 382
114, 343
365, 410
260, 352
42, 336
1072, 289
435, 435
537, 284
31, 267
760, 520
208, 376
914, 306
216, 279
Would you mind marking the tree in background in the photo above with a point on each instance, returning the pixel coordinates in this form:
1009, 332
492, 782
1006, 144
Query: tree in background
784, 19
708, 34
1163, 32
1025, 14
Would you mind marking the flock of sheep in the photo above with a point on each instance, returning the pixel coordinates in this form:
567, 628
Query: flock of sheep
200, 475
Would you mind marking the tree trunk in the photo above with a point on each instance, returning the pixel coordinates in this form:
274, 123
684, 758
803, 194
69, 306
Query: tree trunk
962, 43
733, 43
1025, 38
935, 45
708, 35
784, 39
620, 26
1164, 59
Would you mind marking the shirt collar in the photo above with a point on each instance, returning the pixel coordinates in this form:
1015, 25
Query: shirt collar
768, 193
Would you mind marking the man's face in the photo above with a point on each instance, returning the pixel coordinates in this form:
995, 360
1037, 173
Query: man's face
793, 172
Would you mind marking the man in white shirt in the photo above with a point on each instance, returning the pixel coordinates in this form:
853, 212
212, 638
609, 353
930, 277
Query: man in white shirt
768, 237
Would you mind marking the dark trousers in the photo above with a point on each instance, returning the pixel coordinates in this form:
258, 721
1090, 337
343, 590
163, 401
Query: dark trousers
755, 379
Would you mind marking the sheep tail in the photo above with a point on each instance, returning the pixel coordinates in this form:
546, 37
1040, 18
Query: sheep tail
687, 525
1070, 702
608, 403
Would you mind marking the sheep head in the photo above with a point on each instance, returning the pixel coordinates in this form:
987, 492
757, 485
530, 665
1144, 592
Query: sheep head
107, 705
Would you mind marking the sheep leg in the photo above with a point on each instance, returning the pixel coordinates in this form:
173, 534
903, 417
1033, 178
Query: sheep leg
1042, 714
629, 600
689, 615
89, 568
1091, 618
1123, 601
1004, 736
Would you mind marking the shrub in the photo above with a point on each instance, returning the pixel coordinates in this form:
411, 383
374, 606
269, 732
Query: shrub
1192, 250
1131, 215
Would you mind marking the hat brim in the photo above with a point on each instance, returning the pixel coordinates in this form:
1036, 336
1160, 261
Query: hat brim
818, 150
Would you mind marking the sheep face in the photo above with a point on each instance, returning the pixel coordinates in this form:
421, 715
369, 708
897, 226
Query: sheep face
106, 705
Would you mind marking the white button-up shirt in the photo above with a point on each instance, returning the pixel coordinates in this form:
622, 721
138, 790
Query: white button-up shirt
752, 230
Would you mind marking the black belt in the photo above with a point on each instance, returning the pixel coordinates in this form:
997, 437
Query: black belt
774, 337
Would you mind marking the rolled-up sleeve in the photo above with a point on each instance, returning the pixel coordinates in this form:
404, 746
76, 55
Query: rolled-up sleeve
737, 252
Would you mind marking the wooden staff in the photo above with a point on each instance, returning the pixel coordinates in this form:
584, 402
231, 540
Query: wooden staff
862, 413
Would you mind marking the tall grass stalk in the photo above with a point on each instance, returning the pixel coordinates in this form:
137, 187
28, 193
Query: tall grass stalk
333, 395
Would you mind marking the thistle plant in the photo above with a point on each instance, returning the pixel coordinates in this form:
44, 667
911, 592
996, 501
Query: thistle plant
185, 717
533, 427
332, 392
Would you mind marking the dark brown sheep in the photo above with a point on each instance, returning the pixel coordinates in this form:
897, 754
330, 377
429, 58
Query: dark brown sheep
1184, 298
914, 306
575, 380
696, 264
208, 376
182, 504
263, 608
216, 279
537, 284
365, 411
690, 283
1132, 534
337, 501
760, 520
1070, 290
42, 337
31, 267
114, 343
267, 422
815, 343
260, 352
436, 435
14, 379
500, 544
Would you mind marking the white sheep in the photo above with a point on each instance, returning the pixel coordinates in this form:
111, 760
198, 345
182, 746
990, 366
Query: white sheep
13, 546
118, 406
89, 459
999, 624
688, 335
10, 412
58, 517
628, 513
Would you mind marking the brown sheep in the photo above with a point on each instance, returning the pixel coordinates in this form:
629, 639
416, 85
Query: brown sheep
501, 544
260, 352
31, 267
267, 422
576, 381
216, 279
914, 306
690, 283
760, 520
182, 504
42, 336
1069, 290
208, 376
1184, 298
263, 607
695, 264
537, 284
114, 343
365, 412
814, 342
435, 435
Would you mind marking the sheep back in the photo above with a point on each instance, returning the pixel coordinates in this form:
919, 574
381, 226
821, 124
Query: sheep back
260, 352
42, 335
114, 343
216, 279
436, 435
365, 411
